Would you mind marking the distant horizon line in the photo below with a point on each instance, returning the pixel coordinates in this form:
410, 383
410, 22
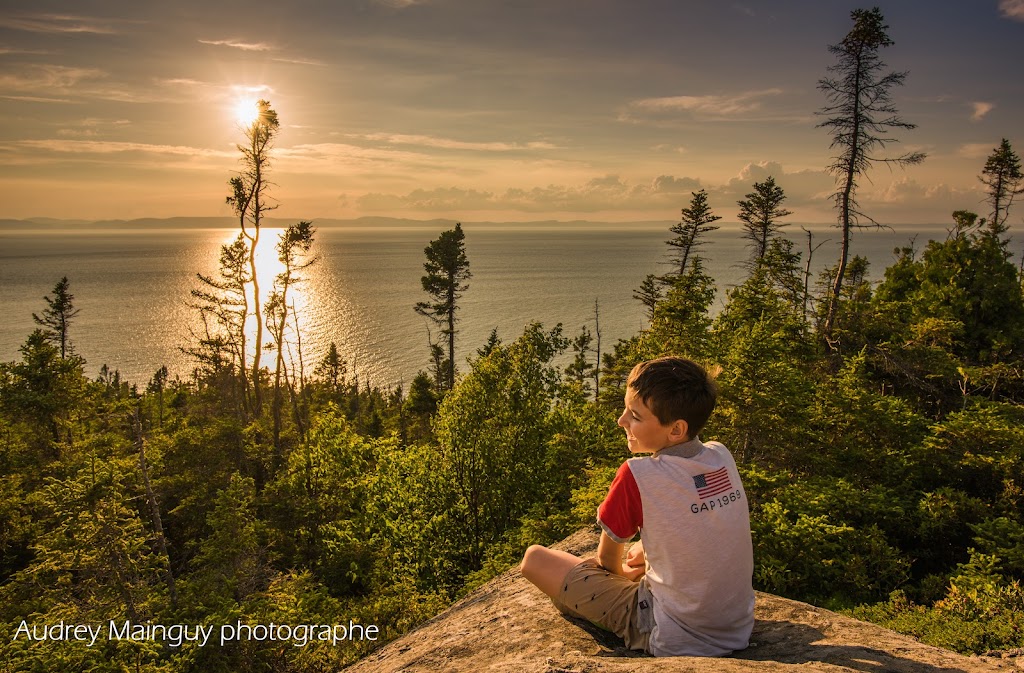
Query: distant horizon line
229, 222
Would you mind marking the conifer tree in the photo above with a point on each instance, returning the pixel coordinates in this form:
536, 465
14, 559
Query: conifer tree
760, 212
447, 270
57, 317
1004, 180
859, 114
696, 221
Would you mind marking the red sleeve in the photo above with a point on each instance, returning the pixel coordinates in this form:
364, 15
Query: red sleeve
621, 514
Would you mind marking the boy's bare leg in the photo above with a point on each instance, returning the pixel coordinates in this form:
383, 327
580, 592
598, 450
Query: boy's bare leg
547, 568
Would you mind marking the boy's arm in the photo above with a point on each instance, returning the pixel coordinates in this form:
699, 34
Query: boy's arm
609, 556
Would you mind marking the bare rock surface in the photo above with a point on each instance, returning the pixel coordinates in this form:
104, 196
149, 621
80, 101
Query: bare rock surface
509, 626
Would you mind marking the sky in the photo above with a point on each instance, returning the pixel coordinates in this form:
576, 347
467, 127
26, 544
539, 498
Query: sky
602, 110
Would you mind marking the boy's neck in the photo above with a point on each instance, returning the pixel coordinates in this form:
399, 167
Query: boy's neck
687, 449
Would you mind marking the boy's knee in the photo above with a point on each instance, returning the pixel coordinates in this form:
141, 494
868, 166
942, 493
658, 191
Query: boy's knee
531, 557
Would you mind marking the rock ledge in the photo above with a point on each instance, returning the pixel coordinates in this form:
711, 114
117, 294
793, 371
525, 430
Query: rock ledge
508, 626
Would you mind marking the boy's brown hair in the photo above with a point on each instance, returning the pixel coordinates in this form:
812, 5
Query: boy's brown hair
675, 388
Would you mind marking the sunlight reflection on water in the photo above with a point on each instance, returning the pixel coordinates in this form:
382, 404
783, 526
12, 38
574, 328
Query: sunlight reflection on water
133, 287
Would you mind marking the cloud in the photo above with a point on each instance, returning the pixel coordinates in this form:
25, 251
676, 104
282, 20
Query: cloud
720, 106
67, 84
981, 109
300, 61
4, 51
91, 127
809, 187
109, 147
58, 23
448, 143
344, 159
238, 44
974, 150
400, 4
604, 193
808, 193
1012, 9
49, 78
908, 191
37, 99
439, 199
667, 184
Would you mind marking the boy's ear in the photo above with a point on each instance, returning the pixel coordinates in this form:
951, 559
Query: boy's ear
679, 430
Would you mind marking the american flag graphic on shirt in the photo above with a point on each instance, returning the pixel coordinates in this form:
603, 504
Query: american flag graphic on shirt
712, 483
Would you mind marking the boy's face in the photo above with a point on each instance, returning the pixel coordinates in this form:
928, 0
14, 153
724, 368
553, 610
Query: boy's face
644, 432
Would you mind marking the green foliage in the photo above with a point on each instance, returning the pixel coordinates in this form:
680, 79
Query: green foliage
826, 540
492, 431
980, 612
968, 279
41, 392
979, 450
868, 434
801, 555
680, 322
319, 498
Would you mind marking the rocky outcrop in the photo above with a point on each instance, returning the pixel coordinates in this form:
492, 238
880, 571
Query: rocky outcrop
508, 626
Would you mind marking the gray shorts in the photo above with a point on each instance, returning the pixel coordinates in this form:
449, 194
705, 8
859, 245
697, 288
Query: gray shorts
607, 600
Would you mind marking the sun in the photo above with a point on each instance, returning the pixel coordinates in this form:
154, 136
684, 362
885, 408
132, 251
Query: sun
246, 110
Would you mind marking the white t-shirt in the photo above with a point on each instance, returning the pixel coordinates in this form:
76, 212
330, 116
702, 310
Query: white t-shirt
689, 505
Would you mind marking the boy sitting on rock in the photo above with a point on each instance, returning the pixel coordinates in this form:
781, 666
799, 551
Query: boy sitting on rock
685, 587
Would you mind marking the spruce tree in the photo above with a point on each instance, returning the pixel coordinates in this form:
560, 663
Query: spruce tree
56, 320
760, 212
1003, 178
859, 114
447, 270
696, 221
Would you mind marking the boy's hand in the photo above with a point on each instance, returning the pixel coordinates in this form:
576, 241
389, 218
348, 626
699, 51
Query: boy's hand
636, 561
635, 556
633, 572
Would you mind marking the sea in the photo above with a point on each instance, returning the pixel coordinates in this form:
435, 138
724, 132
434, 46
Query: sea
132, 284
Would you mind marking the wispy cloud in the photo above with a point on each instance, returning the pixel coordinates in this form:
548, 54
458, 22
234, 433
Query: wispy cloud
58, 23
109, 147
300, 61
980, 109
604, 193
400, 4
1012, 9
91, 127
238, 44
906, 190
37, 99
48, 83
5, 51
448, 143
974, 150
709, 105
48, 78
341, 158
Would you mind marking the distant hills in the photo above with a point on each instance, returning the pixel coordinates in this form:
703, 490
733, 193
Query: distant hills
43, 224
